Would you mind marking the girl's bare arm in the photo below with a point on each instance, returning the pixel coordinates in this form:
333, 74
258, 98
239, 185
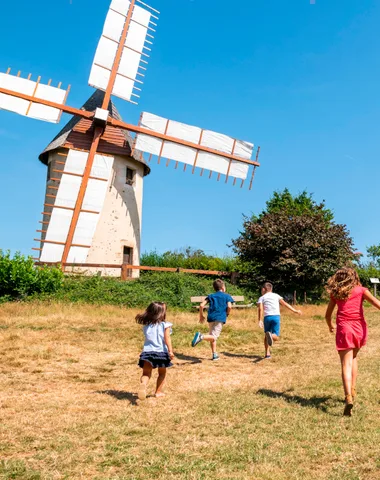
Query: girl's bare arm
328, 314
294, 310
371, 299
168, 342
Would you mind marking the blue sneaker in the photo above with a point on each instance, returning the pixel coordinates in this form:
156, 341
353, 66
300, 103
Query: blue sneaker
215, 357
198, 337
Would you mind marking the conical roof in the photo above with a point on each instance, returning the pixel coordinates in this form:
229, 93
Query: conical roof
78, 134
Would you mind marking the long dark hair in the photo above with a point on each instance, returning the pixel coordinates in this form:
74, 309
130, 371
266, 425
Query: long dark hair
155, 313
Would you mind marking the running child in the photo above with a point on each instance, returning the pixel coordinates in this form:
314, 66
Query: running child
269, 307
157, 351
347, 293
220, 304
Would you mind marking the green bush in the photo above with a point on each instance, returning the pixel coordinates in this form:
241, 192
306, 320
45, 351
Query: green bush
175, 289
19, 277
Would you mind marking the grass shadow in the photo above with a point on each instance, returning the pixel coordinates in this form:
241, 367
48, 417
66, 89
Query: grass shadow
320, 403
187, 358
255, 358
120, 395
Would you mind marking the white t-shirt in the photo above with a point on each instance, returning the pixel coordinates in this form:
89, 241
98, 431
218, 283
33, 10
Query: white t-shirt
154, 337
271, 303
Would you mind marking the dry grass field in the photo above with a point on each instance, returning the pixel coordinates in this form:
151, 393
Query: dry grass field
68, 383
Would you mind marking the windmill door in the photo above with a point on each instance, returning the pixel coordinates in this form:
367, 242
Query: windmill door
128, 259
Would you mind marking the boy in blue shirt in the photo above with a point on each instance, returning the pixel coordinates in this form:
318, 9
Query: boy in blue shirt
220, 304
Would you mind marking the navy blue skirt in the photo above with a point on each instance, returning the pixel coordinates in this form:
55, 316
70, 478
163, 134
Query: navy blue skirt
156, 359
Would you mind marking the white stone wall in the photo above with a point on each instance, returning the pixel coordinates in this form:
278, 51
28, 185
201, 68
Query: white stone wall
120, 221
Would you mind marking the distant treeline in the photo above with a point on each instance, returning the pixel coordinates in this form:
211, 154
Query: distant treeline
190, 258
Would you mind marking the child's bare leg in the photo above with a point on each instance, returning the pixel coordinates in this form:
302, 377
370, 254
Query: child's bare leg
275, 337
145, 377
147, 373
266, 346
346, 359
160, 382
212, 340
354, 371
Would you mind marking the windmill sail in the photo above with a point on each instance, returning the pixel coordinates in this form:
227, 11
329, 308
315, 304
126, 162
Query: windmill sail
133, 57
64, 203
190, 155
31, 89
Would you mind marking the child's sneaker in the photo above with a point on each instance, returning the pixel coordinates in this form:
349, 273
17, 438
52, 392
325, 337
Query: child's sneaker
215, 357
269, 338
198, 337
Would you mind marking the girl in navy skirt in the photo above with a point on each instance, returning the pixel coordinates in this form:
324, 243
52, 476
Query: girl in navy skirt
157, 351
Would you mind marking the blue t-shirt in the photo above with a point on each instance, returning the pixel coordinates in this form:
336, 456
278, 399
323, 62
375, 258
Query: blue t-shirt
218, 303
154, 337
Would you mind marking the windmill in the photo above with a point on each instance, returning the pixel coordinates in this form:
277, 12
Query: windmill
81, 218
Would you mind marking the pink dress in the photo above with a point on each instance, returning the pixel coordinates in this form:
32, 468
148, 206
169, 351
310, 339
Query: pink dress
351, 327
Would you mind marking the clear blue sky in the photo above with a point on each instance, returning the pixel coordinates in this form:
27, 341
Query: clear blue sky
300, 80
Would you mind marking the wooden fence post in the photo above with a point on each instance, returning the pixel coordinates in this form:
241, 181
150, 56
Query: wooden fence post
124, 272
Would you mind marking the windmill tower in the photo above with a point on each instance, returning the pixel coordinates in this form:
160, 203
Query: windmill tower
92, 210
112, 236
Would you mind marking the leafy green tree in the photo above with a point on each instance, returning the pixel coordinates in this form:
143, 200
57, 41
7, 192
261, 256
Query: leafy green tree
294, 243
374, 254
369, 269
302, 204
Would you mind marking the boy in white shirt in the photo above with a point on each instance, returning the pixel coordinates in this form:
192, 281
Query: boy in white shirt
269, 307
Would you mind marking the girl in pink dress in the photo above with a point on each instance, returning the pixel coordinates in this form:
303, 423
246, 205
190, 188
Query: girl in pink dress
347, 294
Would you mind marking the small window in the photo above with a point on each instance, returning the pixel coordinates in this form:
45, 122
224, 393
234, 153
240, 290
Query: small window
130, 177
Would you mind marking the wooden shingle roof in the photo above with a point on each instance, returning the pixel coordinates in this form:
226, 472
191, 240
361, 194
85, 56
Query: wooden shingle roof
78, 134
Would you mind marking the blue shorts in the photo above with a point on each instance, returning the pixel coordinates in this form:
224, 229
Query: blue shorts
272, 324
